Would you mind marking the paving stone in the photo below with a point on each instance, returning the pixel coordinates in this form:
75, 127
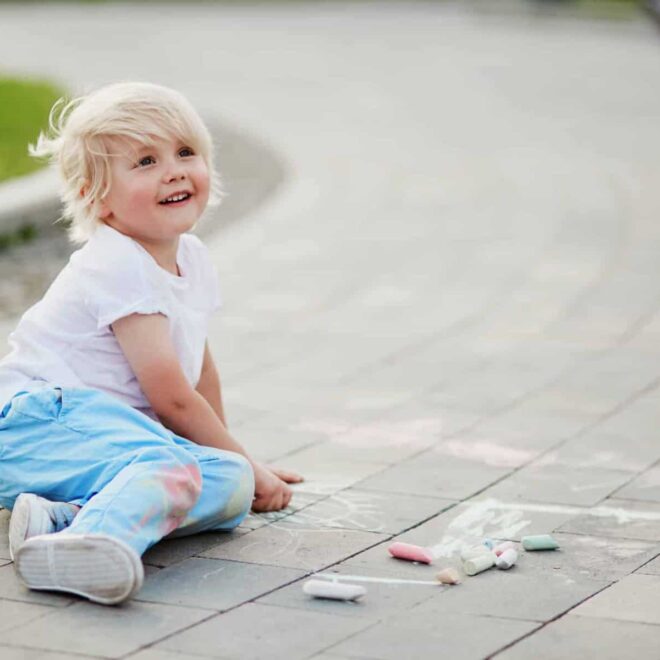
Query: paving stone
103, 631
12, 588
14, 653
376, 441
532, 431
628, 519
594, 557
477, 447
370, 511
162, 654
559, 484
270, 442
645, 487
281, 544
435, 476
634, 598
327, 478
652, 568
453, 636
525, 592
213, 583
599, 449
382, 599
246, 631
172, 551
14, 613
581, 637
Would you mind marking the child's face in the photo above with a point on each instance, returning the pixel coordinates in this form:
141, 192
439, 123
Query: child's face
144, 179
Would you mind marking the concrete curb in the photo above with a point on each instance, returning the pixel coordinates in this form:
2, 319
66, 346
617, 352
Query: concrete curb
32, 199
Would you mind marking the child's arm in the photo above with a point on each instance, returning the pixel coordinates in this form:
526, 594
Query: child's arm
145, 341
209, 385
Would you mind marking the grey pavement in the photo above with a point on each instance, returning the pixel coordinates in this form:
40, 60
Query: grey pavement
446, 315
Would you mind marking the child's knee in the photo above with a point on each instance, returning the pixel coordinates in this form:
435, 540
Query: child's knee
180, 475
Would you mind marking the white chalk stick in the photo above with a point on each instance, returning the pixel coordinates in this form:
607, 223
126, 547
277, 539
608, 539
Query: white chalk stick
507, 559
333, 590
475, 551
479, 563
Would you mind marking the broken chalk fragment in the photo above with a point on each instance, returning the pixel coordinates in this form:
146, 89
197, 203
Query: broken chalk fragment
410, 552
449, 576
489, 543
479, 563
503, 547
539, 542
333, 590
507, 559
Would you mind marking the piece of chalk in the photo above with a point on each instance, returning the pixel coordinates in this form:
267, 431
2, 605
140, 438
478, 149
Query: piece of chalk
474, 551
503, 547
479, 563
489, 543
333, 590
539, 542
410, 552
449, 576
507, 559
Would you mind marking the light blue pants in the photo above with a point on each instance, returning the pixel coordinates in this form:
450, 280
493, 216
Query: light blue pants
134, 479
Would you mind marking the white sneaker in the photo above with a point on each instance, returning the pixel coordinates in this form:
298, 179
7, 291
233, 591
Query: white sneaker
94, 566
33, 515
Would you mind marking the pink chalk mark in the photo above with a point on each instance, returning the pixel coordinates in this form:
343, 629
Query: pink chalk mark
486, 452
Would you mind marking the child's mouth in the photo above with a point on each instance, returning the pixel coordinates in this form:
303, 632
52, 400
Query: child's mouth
176, 200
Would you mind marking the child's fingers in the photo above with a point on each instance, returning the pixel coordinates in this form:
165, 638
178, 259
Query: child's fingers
287, 476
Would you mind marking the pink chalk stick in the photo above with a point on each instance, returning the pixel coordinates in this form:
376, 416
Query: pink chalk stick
410, 552
503, 547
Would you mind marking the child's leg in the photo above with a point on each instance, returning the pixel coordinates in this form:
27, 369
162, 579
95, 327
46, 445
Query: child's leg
227, 490
82, 446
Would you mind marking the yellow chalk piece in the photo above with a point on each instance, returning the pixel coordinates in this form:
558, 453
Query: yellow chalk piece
449, 576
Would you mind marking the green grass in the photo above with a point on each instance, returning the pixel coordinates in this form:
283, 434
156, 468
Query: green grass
24, 108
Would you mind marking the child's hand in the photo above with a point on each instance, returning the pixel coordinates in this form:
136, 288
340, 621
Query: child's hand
287, 476
270, 492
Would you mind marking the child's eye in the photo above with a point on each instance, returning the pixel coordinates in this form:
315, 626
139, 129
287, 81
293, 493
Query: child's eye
147, 160
185, 152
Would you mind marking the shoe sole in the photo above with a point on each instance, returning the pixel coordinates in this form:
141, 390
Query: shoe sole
19, 523
97, 567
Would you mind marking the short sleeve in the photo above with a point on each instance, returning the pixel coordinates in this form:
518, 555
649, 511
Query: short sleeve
117, 285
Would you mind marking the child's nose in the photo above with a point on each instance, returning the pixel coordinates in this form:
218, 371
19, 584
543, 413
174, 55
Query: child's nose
174, 172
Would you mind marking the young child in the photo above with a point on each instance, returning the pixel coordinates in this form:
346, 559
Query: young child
112, 428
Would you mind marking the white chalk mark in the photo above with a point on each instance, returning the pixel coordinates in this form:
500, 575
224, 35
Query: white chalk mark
622, 515
489, 453
364, 578
603, 484
506, 519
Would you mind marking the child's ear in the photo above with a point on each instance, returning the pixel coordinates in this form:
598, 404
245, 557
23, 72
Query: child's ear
104, 210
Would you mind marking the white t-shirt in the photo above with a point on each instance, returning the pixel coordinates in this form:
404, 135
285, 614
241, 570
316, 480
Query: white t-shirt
65, 339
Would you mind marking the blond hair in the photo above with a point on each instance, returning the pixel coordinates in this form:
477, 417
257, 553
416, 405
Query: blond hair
77, 142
